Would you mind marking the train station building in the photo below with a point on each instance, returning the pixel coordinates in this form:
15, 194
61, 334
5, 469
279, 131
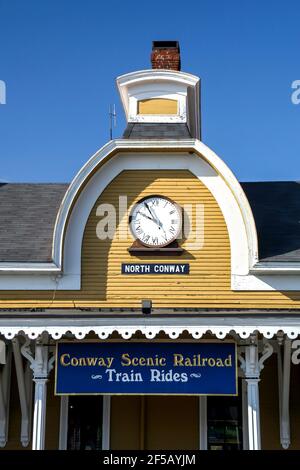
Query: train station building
153, 302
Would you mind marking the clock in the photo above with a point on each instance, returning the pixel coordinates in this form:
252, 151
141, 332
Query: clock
156, 221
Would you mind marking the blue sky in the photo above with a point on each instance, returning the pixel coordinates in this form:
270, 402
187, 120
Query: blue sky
59, 60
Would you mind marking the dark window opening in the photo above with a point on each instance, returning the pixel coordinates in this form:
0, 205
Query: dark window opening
85, 423
225, 422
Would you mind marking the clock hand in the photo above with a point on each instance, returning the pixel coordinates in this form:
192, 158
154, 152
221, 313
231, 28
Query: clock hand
150, 211
150, 218
156, 221
144, 215
155, 218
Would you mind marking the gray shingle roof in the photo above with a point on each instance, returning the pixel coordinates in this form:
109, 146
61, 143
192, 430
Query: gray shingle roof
28, 213
276, 209
27, 217
156, 131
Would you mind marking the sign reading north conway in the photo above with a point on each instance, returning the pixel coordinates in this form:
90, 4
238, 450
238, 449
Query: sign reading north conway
155, 268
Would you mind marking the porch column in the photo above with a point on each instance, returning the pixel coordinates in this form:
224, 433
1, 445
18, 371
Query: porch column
284, 371
252, 379
39, 414
41, 365
253, 414
253, 367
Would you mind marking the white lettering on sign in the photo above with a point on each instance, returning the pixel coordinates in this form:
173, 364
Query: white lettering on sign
169, 376
158, 268
114, 376
169, 268
137, 268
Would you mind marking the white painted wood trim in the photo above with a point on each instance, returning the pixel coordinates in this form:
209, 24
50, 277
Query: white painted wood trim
29, 267
253, 414
180, 97
274, 281
24, 380
151, 326
285, 432
245, 415
39, 414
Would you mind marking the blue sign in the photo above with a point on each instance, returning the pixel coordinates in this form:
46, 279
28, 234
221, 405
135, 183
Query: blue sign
146, 368
155, 268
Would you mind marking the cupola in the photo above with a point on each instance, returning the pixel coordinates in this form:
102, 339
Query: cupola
162, 94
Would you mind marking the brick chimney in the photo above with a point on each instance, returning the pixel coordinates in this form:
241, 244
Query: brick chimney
165, 55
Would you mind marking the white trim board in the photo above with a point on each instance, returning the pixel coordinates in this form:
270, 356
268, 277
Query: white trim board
151, 326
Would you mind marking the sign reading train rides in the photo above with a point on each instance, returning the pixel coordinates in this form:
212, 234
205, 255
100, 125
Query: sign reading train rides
133, 368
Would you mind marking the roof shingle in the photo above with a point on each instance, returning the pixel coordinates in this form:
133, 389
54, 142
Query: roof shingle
156, 131
27, 218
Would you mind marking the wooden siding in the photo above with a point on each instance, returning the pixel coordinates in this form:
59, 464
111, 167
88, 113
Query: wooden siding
207, 286
157, 106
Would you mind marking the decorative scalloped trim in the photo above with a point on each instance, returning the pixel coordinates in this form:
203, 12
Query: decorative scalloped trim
150, 332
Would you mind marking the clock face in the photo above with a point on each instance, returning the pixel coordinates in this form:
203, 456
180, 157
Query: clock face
155, 221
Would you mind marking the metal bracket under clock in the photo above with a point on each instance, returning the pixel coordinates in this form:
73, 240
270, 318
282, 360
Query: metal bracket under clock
173, 249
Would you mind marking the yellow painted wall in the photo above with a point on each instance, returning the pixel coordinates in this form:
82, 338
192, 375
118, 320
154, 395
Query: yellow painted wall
154, 422
208, 284
158, 106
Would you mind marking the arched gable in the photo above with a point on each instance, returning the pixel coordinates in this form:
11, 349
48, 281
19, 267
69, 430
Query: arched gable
120, 155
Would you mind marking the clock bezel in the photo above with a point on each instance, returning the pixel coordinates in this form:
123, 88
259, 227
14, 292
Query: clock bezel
172, 240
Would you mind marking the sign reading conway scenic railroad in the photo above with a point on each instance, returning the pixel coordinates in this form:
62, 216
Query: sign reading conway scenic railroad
155, 268
207, 368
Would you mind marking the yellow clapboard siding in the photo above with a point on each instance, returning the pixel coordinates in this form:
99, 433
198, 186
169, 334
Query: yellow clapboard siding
103, 285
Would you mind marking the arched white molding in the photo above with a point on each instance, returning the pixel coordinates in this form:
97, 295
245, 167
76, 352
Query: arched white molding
200, 161
105, 165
